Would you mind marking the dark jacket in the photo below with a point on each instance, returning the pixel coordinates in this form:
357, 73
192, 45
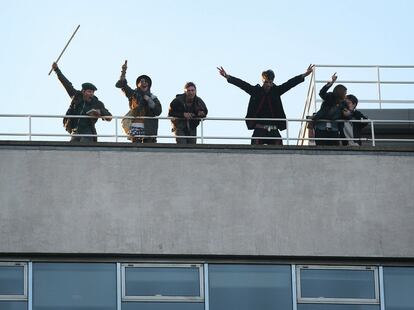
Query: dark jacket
178, 107
79, 107
151, 125
356, 126
329, 110
258, 97
357, 115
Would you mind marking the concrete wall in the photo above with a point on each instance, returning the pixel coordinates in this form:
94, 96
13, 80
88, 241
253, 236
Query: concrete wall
61, 199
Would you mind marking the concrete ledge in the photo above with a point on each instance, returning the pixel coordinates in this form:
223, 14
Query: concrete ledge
121, 146
206, 200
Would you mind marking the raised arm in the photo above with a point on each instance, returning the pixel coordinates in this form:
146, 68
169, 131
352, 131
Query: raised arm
250, 89
123, 70
295, 80
324, 90
222, 72
65, 82
309, 70
122, 82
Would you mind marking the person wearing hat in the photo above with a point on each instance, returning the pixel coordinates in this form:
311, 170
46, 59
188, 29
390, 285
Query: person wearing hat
141, 103
84, 102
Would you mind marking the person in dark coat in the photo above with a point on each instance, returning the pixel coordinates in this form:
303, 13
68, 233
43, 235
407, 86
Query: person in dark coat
141, 103
187, 110
331, 110
84, 103
265, 102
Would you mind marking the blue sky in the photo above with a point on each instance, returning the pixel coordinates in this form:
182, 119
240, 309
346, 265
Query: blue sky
179, 41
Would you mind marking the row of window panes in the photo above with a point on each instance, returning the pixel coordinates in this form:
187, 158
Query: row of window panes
80, 286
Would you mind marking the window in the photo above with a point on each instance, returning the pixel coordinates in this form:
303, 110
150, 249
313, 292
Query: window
337, 307
399, 288
13, 281
134, 305
13, 305
337, 285
162, 282
74, 286
246, 287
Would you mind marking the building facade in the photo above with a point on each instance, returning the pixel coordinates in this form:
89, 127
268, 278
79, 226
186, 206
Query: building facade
122, 227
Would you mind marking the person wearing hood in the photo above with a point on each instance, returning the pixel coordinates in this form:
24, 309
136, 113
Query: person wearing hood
141, 103
187, 109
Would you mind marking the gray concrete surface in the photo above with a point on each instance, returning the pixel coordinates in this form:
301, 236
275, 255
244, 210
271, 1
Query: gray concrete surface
206, 202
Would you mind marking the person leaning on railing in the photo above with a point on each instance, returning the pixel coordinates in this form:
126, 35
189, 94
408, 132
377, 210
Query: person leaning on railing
84, 102
265, 102
187, 110
331, 110
141, 103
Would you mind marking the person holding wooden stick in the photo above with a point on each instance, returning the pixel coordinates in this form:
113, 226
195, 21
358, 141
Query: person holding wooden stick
84, 102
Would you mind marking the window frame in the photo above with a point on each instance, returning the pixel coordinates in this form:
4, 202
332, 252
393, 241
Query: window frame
199, 298
23, 297
337, 300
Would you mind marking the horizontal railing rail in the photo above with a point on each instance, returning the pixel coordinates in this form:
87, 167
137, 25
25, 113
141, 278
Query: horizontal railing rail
116, 135
396, 75
379, 81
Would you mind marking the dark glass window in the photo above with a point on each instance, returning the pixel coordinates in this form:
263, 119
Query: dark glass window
399, 288
162, 281
342, 283
13, 305
246, 287
74, 286
337, 307
12, 280
133, 305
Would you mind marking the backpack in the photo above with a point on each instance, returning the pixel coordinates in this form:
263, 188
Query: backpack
68, 123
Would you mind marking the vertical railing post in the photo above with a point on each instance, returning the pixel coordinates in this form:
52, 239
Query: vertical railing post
287, 132
202, 131
30, 128
379, 87
314, 89
116, 129
372, 133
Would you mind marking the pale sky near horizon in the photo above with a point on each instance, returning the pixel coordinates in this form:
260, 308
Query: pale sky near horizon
175, 41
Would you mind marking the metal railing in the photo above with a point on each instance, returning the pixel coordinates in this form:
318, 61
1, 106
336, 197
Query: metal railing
116, 136
311, 100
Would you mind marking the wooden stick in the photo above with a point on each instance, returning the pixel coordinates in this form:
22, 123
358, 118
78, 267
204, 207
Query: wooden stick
65, 47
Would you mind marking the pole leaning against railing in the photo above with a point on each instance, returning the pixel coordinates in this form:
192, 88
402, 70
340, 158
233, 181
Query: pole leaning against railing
306, 109
57, 60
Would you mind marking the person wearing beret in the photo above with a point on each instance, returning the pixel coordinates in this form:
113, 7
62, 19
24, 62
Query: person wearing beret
141, 103
84, 102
